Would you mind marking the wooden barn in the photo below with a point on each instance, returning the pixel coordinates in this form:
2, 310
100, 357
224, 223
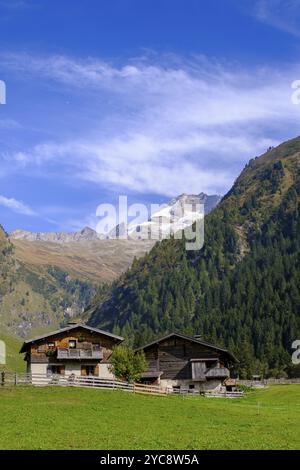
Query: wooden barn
187, 362
77, 349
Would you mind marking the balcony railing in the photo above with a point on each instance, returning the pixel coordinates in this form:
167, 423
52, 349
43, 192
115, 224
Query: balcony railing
69, 353
217, 372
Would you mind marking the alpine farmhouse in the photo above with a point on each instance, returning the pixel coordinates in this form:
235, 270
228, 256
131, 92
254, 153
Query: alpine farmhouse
77, 349
185, 362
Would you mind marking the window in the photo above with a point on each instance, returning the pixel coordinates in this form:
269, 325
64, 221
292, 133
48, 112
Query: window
51, 345
72, 344
88, 370
96, 346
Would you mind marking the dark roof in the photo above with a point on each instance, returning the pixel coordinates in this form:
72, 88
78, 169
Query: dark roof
189, 338
151, 375
68, 328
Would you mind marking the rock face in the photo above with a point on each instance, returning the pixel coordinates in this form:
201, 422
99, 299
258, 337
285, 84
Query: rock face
86, 234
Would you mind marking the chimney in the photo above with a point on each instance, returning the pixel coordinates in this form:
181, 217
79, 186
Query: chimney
199, 337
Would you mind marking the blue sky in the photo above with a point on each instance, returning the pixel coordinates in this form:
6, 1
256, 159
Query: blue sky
147, 98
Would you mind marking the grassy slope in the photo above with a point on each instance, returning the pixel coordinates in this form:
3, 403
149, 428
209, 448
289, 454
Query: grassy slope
18, 301
56, 418
93, 261
32, 299
14, 360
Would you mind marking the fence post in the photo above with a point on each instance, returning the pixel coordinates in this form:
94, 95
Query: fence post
16, 378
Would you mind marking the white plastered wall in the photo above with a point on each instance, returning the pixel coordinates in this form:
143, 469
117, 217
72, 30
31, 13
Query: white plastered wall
72, 368
104, 372
38, 369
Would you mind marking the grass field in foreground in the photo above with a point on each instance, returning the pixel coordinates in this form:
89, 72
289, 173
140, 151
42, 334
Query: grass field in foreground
69, 418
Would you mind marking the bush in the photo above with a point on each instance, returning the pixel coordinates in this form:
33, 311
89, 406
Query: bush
244, 388
126, 364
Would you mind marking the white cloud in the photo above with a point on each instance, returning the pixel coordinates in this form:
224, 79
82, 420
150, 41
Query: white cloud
16, 206
171, 126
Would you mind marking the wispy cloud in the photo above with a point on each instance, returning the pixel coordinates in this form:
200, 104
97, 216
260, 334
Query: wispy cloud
14, 4
9, 124
16, 206
280, 14
170, 125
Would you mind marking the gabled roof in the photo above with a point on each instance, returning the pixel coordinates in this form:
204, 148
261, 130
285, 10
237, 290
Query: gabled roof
192, 339
69, 328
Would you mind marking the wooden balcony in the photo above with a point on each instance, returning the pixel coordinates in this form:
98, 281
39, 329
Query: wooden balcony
69, 353
217, 373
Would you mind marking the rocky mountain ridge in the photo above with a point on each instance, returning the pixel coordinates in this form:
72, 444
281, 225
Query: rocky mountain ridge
171, 217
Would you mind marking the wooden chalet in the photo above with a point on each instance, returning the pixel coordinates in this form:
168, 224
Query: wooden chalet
181, 361
76, 349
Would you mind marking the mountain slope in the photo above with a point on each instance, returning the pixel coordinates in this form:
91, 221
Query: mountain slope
43, 284
14, 361
46, 278
90, 261
6, 261
34, 298
241, 289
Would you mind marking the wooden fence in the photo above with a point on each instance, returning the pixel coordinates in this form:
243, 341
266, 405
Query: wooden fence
215, 394
63, 381
150, 390
7, 378
266, 382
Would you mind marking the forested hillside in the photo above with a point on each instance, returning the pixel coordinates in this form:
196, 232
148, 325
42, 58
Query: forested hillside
241, 289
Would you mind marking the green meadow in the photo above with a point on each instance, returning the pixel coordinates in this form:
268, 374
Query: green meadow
74, 418
14, 361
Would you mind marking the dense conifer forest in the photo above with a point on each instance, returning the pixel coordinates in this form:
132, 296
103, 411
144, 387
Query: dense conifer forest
241, 290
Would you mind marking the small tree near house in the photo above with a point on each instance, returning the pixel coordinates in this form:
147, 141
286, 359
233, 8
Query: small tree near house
126, 364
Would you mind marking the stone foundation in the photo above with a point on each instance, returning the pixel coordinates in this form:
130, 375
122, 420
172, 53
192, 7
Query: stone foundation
210, 385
